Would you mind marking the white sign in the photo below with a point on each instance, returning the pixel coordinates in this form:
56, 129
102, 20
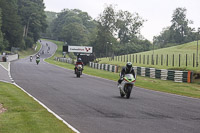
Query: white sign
80, 49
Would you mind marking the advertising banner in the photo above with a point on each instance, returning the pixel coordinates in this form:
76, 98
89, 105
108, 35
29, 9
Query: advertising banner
80, 49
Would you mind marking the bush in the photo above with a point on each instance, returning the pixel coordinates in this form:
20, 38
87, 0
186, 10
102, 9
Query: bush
29, 42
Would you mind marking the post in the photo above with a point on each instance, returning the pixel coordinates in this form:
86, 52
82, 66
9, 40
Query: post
173, 60
136, 58
157, 59
186, 60
167, 59
179, 64
193, 59
153, 55
197, 62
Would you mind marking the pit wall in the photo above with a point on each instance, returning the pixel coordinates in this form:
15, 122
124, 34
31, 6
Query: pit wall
163, 74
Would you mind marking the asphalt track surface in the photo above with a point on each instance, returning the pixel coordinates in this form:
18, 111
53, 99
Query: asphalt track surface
93, 105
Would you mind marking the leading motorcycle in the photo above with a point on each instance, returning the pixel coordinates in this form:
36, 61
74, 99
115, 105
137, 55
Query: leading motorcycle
126, 86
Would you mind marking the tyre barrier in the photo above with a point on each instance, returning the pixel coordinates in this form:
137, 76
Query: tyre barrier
163, 74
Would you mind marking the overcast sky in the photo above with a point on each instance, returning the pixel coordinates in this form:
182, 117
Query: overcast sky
158, 13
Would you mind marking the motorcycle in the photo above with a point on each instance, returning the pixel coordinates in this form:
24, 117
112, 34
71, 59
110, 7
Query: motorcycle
79, 70
37, 60
31, 58
126, 86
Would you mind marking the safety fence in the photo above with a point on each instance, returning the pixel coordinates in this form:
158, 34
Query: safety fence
163, 74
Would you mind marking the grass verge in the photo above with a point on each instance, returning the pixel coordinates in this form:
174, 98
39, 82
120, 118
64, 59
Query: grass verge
29, 51
24, 115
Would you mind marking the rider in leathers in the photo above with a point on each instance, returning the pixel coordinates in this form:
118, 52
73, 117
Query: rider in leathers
126, 70
79, 62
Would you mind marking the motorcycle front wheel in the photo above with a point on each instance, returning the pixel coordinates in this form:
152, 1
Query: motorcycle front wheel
78, 75
128, 91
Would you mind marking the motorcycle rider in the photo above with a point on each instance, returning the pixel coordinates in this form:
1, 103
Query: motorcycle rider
31, 58
37, 59
126, 70
79, 62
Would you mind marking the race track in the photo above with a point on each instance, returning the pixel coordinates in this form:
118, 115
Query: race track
93, 105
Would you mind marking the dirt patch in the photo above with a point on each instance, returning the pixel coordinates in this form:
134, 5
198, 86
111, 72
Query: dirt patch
2, 109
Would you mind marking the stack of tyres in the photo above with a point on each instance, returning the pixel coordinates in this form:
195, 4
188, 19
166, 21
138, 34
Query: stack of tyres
158, 73
171, 75
147, 72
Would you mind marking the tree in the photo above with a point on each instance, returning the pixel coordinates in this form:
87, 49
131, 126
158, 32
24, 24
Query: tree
11, 26
179, 32
180, 25
121, 25
1, 35
128, 25
74, 34
33, 19
73, 26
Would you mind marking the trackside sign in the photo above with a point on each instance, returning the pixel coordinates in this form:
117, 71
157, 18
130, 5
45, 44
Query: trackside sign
80, 49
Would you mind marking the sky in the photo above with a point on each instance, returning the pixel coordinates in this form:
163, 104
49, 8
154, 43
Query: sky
158, 13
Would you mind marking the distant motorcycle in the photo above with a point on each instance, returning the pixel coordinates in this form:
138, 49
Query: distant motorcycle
127, 85
37, 60
79, 70
31, 58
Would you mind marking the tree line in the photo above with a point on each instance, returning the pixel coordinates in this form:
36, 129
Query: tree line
178, 32
21, 22
116, 32
113, 32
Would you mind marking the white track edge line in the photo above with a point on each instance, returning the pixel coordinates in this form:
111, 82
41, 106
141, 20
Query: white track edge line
49, 110
4, 67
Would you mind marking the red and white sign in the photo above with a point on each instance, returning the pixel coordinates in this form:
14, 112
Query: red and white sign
80, 49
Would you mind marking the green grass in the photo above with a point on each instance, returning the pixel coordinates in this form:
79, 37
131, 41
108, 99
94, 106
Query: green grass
29, 51
24, 115
185, 89
188, 48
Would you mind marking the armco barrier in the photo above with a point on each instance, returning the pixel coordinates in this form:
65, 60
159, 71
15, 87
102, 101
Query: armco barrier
163, 74
66, 60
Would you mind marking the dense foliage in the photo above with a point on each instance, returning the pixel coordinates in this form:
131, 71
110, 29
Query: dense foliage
119, 33
178, 33
72, 26
113, 32
21, 23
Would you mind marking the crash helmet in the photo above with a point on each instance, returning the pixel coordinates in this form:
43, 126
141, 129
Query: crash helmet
128, 66
79, 60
